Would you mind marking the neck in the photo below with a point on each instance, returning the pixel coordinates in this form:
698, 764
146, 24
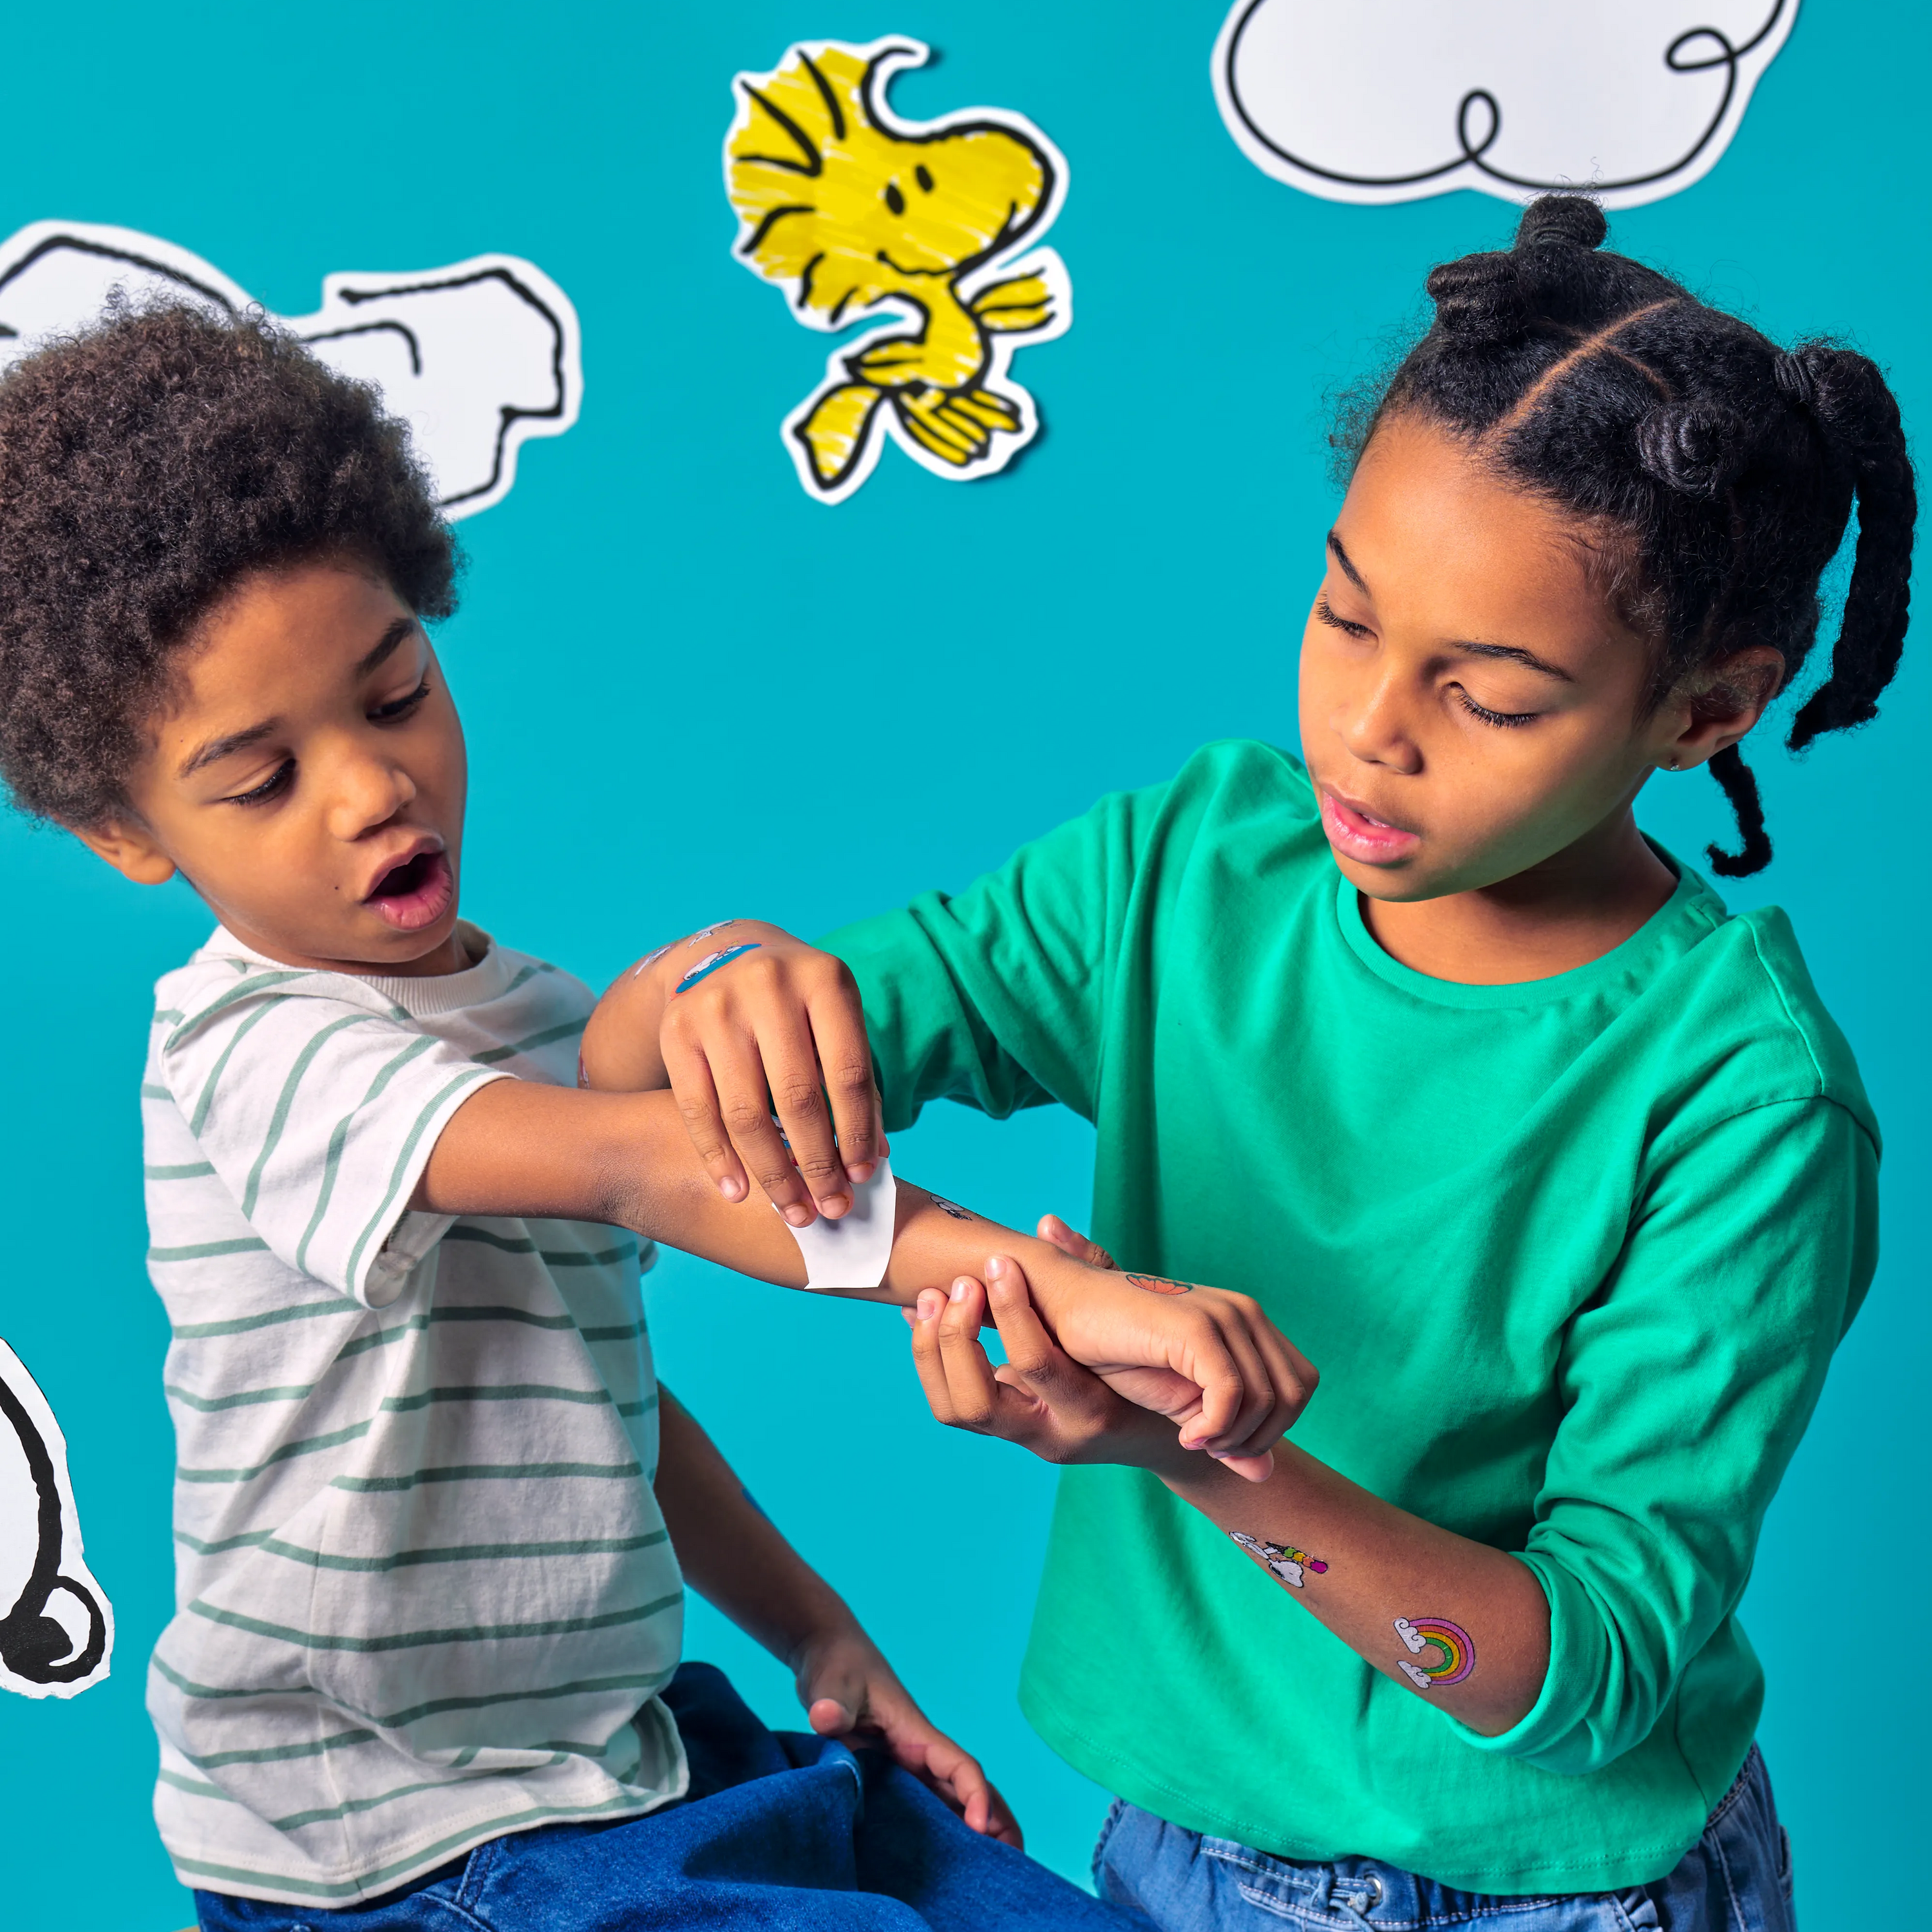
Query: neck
451, 956
1560, 914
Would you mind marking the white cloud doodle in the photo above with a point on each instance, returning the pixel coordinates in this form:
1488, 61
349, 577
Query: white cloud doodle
1381, 101
56, 1625
478, 356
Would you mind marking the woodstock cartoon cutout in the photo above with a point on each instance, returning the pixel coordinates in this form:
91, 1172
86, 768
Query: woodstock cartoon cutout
56, 1628
476, 357
851, 210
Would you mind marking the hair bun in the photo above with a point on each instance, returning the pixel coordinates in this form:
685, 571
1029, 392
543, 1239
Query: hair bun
1695, 449
1479, 298
1561, 217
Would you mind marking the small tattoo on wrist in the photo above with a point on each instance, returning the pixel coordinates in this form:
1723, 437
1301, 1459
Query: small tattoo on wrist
951, 1207
709, 964
1456, 1648
1159, 1284
1282, 1559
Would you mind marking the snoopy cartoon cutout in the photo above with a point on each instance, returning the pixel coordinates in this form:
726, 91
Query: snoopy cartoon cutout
852, 211
56, 1628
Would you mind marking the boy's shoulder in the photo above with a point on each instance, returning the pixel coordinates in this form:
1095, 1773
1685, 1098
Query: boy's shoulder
224, 977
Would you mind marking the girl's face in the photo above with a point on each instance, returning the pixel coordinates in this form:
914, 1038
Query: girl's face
1470, 705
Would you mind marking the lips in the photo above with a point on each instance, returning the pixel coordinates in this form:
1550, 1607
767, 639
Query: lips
417, 890
1357, 833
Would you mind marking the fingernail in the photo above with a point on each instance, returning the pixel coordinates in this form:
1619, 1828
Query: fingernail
930, 1301
862, 1173
996, 1266
731, 1188
800, 1216
831, 1206
958, 1290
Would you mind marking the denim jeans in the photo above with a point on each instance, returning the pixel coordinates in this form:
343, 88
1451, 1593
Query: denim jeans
1736, 1878
782, 1832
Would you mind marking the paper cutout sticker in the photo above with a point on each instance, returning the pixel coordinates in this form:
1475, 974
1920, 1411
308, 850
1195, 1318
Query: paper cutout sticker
1384, 100
56, 1625
477, 357
851, 211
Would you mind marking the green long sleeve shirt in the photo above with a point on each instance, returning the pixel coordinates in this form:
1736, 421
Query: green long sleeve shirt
1572, 1256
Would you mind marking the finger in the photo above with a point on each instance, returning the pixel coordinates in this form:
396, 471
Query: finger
1234, 1409
697, 1095
742, 1102
1293, 1377
1053, 1229
1208, 1361
785, 1042
845, 1060
1249, 1468
829, 1717
925, 1358
969, 1374
1031, 1352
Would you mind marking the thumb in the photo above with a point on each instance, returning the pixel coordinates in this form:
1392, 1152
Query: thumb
1056, 1233
829, 1718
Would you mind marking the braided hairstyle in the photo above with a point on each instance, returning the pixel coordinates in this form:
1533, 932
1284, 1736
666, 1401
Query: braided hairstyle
1720, 469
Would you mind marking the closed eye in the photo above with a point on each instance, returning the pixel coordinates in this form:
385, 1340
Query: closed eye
400, 707
1324, 613
1489, 717
273, 786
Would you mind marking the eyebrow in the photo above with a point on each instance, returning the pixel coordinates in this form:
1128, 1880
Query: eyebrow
216, 749
1514, 653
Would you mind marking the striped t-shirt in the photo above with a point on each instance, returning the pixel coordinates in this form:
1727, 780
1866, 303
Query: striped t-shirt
424, 1592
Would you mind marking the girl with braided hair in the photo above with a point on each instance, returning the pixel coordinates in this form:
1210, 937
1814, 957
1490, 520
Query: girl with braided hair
1559, 1171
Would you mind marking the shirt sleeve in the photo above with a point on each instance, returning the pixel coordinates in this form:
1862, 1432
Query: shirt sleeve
1687, 1385
996, 996
319, 1115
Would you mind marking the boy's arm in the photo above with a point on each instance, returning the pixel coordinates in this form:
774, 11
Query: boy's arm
1455, 1621
1208, 1360
733, 1555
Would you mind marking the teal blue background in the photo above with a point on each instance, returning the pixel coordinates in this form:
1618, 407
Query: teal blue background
690, 692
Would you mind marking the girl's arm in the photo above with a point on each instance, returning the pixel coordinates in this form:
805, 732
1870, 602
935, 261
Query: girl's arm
1454, 1621
1209, 1361
733, 1556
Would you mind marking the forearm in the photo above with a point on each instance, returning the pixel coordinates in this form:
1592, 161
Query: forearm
520, 1148
1364, 1564
730, 1551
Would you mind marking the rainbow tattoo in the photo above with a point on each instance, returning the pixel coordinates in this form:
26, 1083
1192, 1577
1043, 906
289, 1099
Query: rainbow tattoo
1282, 1559
1159, 1284
1457, 1647
709, 964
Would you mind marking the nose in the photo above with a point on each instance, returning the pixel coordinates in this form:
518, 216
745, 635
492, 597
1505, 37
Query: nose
367, 791
1373, 725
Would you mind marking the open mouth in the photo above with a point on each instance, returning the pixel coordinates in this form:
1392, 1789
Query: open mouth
1359, 834
415, 893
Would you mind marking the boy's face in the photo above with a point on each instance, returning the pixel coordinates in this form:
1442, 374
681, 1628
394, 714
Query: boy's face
1472, 706
310, 779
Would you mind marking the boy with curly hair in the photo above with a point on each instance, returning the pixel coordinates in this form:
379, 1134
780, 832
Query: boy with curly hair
433, 1511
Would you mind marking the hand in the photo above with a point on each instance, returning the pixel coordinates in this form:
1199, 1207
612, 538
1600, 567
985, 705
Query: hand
850, 1693
784, 1021
1039, 1397
1209, 1360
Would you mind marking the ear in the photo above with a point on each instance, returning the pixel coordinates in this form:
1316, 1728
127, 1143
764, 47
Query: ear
1716, 705
129, 847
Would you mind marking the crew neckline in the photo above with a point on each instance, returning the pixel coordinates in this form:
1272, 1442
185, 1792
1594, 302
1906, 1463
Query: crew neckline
1664, 931
422, 997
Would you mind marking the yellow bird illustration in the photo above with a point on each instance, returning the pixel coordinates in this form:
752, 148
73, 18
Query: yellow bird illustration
851, 210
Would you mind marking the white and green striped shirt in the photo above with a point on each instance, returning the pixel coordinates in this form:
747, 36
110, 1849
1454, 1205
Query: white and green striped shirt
424, 1592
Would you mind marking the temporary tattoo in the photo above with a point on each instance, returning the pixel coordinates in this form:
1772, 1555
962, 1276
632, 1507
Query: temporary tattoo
709, 964
1159, 1284
1457, 1647
710, 929
1287, 1562
582, 1078
650, 959
951, 1207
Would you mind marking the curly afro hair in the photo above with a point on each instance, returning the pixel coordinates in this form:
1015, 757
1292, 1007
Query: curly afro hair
147, 465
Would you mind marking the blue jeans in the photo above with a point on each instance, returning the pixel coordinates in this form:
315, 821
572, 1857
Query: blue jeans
782, 1832
1736, 1878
